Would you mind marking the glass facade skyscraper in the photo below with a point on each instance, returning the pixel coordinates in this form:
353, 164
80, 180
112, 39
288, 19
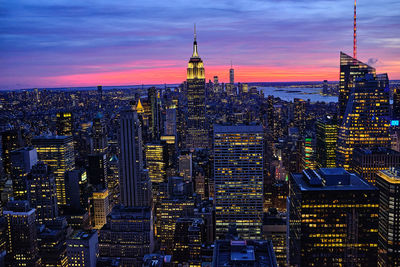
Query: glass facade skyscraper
350, 69
366, 119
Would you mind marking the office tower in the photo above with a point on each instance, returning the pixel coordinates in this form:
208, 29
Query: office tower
52, 243
274, 229
231, 75
42, 193
243, 253
10, 140
396, 104
326, 134
134, 186
308, 159
64, 123
101, 208
22, 161
113, 180
388, 183
350, 70
97, 170
185, 167
278, 124
367, 162
99, 135
154, 100
58, 153
196, 102
100, 93
22, 247
366, 120
300, 115
128, 235
170, 147
155, 162
238, 177
333, 219
83, 248
188, 238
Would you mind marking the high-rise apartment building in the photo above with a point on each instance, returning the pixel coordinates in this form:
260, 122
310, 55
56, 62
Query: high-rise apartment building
238, 178
197, 134
366, 119
388, 182
333, 219
326, 139
58, 153
42, 193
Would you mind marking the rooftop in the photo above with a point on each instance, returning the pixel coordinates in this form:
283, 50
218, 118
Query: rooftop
376, 150
329, 179
237, 128
255, 253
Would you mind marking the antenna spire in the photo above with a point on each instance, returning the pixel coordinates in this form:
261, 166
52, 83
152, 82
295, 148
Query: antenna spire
355, 31
195, 53
231, 63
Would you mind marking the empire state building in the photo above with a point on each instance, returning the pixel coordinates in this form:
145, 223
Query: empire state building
196, 94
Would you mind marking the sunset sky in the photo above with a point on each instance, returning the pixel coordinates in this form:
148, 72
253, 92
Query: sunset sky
65, 43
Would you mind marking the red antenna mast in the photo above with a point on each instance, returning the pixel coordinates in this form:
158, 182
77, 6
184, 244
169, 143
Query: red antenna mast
355, 31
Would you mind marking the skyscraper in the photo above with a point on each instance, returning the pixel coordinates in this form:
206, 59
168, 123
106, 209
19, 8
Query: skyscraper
64, 123
196, 102
367, 162
83, 248
128, 235
97, 170
22, 247
99, 135
238, 178
154, 100
42, 193
134, 185
22, 161
388, 182
10, 140
231, 75
333, 219
326, 134
366, 120
300, 114
350, 69
58, 153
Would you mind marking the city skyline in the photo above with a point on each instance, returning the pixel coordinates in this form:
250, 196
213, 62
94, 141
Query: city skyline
67, 45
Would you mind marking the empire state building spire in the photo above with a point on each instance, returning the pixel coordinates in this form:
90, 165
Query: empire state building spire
195, 53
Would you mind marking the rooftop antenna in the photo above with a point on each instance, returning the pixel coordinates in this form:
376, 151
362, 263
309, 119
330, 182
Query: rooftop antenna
231, 63
355, 31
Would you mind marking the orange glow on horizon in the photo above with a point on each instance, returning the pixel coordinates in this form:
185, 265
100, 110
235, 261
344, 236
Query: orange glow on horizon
176, 75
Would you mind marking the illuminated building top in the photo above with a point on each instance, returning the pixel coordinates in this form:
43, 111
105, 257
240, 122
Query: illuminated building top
195, 68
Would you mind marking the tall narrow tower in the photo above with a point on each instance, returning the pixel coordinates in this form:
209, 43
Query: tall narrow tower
231, 75
196, 101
